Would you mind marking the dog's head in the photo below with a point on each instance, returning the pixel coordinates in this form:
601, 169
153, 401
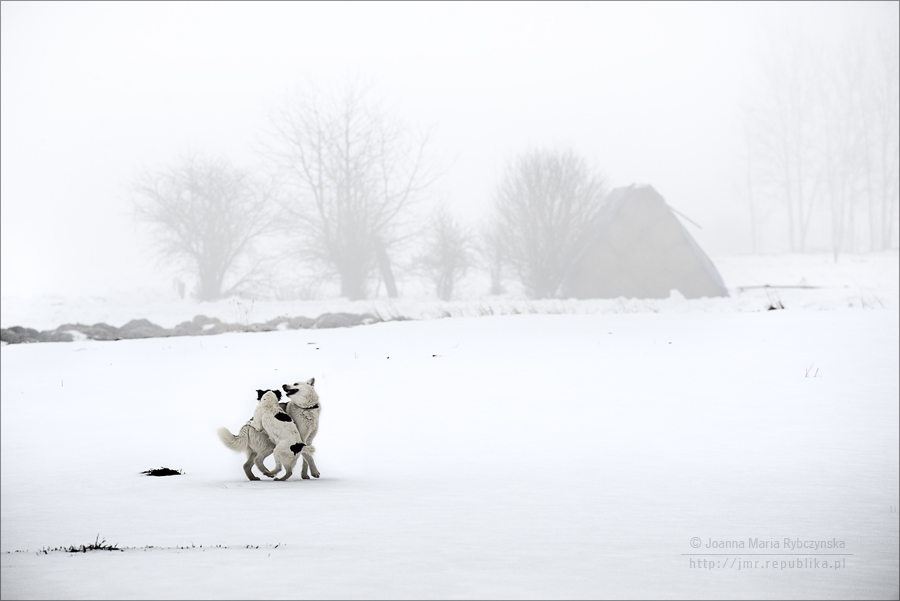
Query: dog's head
302, 394
261, 393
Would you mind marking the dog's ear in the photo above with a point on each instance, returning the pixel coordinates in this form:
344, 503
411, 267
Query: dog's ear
277, 394
259, 393
311, 381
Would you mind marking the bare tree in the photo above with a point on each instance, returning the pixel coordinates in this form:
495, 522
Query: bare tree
881, 131
448, 252
544, 209
823, 139
784, 123
354, 171
746, 188
492, 255
206, 215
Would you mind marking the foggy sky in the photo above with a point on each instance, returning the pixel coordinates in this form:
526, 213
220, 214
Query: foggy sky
94, 93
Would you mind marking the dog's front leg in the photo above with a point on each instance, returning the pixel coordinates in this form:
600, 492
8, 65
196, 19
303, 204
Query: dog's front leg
304, 468
308, 461
311, 463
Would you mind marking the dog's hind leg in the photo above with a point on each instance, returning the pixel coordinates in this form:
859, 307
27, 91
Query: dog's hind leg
287, 454
308, 461
304, 468
260, 458
262, 448
248, 465
284, 455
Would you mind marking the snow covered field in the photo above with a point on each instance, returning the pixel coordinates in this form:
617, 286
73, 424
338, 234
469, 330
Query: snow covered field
551, 450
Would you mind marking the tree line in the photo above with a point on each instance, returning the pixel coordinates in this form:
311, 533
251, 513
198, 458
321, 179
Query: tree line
338, 206
341, 202
823, 143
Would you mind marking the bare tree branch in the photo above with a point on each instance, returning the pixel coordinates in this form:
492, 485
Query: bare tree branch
544, 208
354, 172
448, 252
207, 216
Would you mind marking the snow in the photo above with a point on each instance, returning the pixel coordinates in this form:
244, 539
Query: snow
571, 450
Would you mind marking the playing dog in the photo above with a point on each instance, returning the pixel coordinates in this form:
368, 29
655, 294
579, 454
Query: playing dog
281, 430
254, 442
270, 431
303, 406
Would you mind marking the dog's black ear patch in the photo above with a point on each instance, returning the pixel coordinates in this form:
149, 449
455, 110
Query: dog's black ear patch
259, 393
277, 394
296, 448
284, 417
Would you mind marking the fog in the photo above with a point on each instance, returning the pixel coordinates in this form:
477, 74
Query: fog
92, 94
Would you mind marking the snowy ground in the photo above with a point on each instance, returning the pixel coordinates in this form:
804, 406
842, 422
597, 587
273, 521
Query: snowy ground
572, 450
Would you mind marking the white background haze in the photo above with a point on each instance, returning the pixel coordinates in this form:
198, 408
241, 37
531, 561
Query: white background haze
524, 448
94, 93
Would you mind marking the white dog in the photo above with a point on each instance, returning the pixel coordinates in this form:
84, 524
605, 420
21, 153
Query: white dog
254, 442
269, 431
303, 406
281, 430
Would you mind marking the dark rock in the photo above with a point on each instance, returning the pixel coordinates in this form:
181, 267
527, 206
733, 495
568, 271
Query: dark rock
219, 328
103, 331
26, 334
202, 320
23, 334
296, 323
367, 319
55, 336
142, 328
98, 331
78, 327
338, 320
186, 328
201, 325
145, 332
9, 337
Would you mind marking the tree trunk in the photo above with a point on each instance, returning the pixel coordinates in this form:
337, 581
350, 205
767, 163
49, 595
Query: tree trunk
384, 265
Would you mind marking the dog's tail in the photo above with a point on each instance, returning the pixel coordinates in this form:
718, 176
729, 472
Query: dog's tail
303, 448
235, 443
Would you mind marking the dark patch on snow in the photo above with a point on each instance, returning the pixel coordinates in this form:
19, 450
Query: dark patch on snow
97, 545
163, 471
